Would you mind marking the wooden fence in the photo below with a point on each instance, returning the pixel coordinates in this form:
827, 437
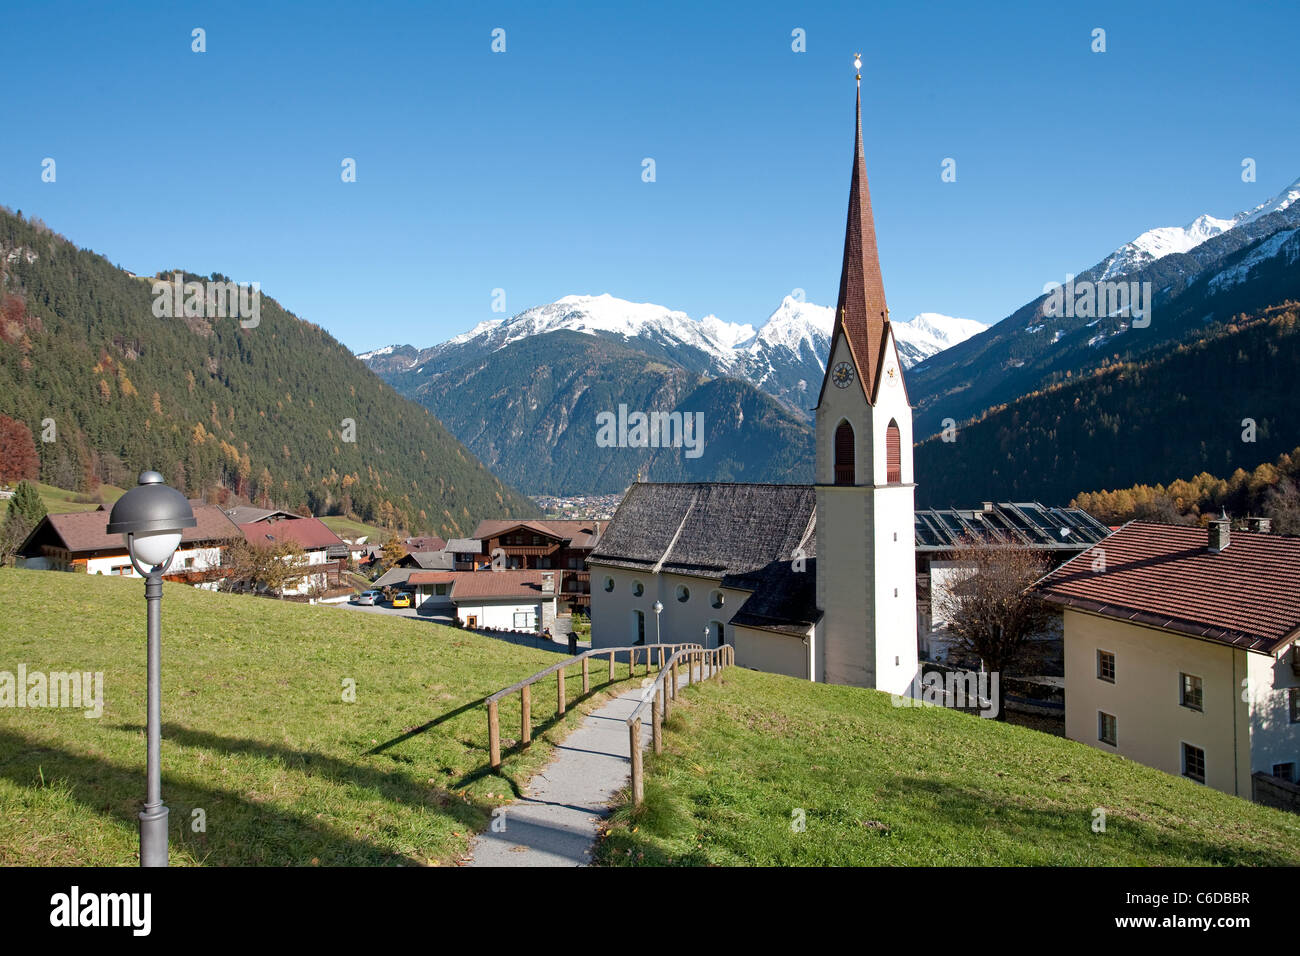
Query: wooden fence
659, 697
524, 688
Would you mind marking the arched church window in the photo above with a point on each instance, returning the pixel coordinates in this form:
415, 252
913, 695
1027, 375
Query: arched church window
844, 454
893, 454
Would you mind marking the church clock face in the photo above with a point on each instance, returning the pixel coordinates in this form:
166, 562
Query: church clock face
842, 375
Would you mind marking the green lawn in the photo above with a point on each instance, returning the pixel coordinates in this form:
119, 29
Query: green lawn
60, 501
255, 731
352, 528
879, 785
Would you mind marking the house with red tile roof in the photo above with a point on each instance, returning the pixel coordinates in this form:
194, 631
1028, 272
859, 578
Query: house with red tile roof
326, 551
1180, 652
79, 541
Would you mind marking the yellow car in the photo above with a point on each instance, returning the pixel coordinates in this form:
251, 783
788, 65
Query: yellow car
402, 600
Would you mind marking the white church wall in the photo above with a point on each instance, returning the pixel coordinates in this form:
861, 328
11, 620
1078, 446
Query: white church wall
772, 652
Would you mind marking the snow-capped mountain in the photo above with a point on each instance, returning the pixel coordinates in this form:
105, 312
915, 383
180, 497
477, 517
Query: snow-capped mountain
1166, 240
785, 357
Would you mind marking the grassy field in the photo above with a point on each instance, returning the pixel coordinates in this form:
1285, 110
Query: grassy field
747, 758
352, 529
60, 501
256, 733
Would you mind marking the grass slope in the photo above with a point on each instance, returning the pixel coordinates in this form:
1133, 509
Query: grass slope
255, 731
61, 501
881, 785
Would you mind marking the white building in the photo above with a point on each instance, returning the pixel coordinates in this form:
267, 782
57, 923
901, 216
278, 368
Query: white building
1180, 652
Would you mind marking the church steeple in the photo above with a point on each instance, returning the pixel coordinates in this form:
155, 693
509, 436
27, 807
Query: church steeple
861, 315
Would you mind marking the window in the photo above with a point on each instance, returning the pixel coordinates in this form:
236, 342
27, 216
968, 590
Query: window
844, 454
893, 455
537, 539
638, 588
1106, 666
716, 599
1295, 705
525, 620
1285, 770
1107, 728
1194, 763
609, 584
440, 590
683, 593
1191, 693
575, 564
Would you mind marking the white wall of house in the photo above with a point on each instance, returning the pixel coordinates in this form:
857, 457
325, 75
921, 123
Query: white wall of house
502, 615
432, 596
186, 559
1151, 722
1273, 738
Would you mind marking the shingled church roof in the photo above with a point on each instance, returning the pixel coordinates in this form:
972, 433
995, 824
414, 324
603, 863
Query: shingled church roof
708, 528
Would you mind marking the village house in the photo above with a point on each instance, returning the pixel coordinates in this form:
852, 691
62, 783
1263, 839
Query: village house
326, 552
543, 545
79, 541
1180, 653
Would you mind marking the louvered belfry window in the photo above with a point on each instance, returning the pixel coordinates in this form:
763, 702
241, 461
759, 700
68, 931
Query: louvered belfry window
844, 454
893, 455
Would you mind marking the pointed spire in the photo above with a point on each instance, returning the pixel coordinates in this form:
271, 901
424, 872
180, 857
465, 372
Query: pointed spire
861, 315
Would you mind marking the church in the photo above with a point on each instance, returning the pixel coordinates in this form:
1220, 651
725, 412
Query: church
815, 581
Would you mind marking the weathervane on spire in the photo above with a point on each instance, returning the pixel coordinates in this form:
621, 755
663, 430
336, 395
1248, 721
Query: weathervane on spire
857, 65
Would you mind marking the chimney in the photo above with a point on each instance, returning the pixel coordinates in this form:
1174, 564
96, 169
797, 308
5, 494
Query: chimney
1220, 534
1262, 525
548, 582
988, 506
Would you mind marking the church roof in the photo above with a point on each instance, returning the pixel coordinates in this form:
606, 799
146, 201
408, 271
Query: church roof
708, 528
784, 598
861, 316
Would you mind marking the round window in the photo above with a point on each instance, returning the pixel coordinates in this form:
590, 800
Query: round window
717, 599
609, 584
638, 588
683, 593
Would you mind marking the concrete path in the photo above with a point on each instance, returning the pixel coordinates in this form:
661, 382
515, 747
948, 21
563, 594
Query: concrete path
555, 822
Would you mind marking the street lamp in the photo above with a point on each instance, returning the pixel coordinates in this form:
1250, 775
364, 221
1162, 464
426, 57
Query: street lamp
658, 606
151, 518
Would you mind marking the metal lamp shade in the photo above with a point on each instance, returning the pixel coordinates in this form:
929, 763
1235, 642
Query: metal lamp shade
155, 515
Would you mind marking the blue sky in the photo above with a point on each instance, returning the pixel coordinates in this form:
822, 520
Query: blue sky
522, 170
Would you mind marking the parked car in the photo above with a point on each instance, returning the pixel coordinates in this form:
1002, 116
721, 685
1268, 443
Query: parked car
402, 599
367, 597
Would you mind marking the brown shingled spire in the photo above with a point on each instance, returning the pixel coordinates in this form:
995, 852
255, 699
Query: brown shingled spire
861, 314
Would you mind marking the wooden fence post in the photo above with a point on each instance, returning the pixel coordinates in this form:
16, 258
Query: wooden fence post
526, 713
638, 785
559, 691
631, 662
494, 735
656, 720
586, 678
611, 667
674, 678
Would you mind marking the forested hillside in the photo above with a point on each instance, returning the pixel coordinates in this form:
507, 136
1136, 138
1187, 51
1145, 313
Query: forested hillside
262, 413
1226, 401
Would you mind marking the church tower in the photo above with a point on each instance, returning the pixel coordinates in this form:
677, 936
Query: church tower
866, 542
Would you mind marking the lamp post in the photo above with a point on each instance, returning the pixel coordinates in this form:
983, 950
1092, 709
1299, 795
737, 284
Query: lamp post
658, 606
151, 517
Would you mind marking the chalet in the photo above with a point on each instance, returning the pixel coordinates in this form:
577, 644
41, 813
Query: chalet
1180, 652
79, 541
466, 554
326, 552
543, 545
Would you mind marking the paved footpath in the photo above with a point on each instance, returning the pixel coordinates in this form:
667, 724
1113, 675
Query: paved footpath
555, 823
